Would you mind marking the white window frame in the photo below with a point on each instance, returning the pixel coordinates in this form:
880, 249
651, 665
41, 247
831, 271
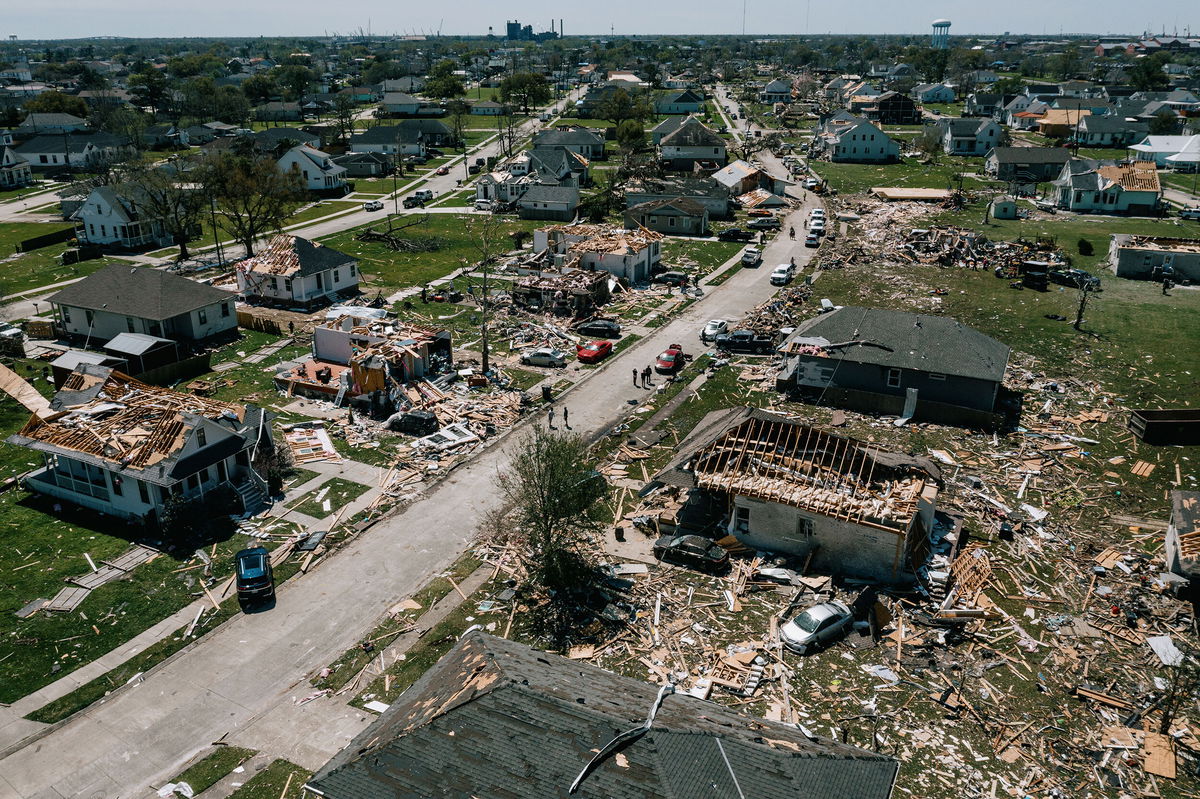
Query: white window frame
893, 378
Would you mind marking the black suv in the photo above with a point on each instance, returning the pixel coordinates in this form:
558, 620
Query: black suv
735, 234
255, 580
1076, 278
745, 341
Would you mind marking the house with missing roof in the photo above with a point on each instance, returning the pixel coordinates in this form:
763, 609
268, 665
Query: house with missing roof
627, 254
495, 718
1182, 547
778, 485
134, 299
1154, 257
116, 445
296, 272
1086, 185
929, 368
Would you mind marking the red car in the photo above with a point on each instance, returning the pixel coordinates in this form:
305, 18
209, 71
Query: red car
671, 361
593, 351
442, 170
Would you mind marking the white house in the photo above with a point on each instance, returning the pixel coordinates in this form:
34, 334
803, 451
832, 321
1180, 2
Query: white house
692, 143
776, 91
318, 170
933, 93
14, 169
388, 140
295, 271
135, 299
541, 201
962, 136
110, 217
627, 254
778, 485
76, 150
399, 104
45, 123
147, 445
856, 141
1087, 185
1161, 149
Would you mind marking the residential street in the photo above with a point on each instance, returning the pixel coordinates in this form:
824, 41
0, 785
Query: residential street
242, 680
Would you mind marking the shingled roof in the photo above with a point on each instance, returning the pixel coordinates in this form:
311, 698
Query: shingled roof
139, 291
902, 340
494, 718
292, 256
692, 133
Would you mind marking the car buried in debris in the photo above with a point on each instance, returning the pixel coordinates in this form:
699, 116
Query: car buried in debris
693, 551
544, 356
816, 626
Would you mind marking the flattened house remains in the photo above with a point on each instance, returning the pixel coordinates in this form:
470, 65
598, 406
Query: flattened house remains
781, 486
115, 445
494, 718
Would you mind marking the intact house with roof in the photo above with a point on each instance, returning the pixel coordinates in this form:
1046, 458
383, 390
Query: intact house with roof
14, 168
1109, 131
627, 254
778, 485
691, 145
559, 203
1026, 165
365, 165
1086, 185
1182, 547
1169, 151
933, 93
489, 108
278, 112
1154, 257
73, 150
1059, 123
853, 140
495, 718
390, 140
292, 271
688, 101
111, 217
399, 104
677, 217
40, 124
584, 141
776, 91
706, 191
134, 299
912, 365
317, 169
118, 446
961, 136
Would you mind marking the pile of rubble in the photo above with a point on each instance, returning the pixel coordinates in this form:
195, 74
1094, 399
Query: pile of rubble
785, 309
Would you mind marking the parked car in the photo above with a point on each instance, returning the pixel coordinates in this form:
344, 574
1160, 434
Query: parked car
782, 275
604, 328
692, 550
1190, 213
752, 256
411, 202
594, 351
442, 170
670, 360
812, 239
817, 226
483, 205
544, 356
474, 169
433, 152
817, 213
373, 205
714, 328
671, 279
255, 579
735, 234
759, 212
764, 224
1075, 278
424, 195
745, 341
1047, 205
816, 626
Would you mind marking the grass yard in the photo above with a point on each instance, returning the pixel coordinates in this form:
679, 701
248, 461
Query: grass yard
22, 271
458, 199
857, 178
320, 209
1181, 181
279, 780
702, 256
206, 772
945, 109
337, 492
385, 185
252, 382
455, 235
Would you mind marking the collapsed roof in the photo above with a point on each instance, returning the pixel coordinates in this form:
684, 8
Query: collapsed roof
292, 256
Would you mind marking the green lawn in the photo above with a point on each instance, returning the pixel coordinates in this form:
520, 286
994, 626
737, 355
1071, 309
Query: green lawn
337, 492
454, 235
701, 256
279, 780
253, 382
458, 199
945, 109
1181, 181
320, 209
26, 271
222, 760
910, 173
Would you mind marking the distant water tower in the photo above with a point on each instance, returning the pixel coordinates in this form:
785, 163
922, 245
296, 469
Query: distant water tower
941, 34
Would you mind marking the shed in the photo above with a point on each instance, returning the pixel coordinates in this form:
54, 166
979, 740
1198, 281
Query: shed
62, 366
1004, 208
143, 352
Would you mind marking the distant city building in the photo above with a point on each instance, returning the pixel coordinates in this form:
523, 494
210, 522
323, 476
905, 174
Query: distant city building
516, 32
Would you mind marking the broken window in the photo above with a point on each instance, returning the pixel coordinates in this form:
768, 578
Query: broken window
203, 316
143, 492
741, 519
224, 309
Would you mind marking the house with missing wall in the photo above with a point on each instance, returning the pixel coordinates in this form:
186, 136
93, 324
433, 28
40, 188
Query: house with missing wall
778, 485
1182, 547
1154, 257
495, 718
627, 254
292, 271
911, 365
118, 446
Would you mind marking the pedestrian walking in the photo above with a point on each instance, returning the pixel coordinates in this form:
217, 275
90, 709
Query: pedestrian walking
550, 416
566, 420
635, 379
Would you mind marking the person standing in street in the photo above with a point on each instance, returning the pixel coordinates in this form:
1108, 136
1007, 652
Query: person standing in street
635, 379
550, 416
566, 419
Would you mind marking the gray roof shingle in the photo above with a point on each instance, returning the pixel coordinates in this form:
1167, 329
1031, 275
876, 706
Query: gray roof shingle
139, 291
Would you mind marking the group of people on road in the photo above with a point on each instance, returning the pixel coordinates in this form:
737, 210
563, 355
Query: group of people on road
566, 415
644, 378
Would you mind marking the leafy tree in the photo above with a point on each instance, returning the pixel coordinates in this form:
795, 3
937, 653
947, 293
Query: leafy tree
631, 135
459, 112
190, 66
158, 194
1065, 65
230, 105
380, 71
525, 89
1146, 74
254, 195
621, 105
259, 88
126, 122
929, 143
444, 87
1164, 123
150, 88
293, 79
57, 103
343, 115
555, 496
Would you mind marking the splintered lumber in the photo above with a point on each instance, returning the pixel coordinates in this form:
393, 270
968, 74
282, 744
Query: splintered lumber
1083, 692
1160, 756
16, 387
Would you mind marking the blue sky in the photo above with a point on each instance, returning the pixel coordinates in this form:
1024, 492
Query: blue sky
77, 18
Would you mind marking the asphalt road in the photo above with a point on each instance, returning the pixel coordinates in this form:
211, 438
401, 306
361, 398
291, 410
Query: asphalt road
242, 680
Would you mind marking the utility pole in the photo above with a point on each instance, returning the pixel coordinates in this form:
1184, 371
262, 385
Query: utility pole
212, 209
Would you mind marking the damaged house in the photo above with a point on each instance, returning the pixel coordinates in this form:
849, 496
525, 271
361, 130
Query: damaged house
930, 368
692, 146
1090, 186
778, 485
353, 355
573, 292
292, 271
627, 254
118, 446
1183, 535
495, 718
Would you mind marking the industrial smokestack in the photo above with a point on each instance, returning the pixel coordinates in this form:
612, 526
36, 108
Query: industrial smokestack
560, 33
